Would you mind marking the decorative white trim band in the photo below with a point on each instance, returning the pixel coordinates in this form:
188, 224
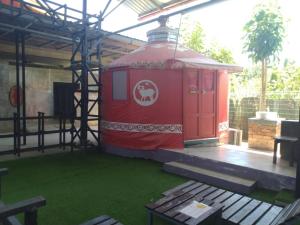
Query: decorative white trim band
223, 126
138, 127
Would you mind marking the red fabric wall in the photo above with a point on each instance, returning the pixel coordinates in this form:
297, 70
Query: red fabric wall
8, 2
223, 105
131, 125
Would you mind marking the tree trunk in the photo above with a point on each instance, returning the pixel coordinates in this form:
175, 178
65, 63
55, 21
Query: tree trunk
262, 100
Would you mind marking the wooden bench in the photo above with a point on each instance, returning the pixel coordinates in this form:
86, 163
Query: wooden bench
102, 220
235, 208
29, 207
3, 172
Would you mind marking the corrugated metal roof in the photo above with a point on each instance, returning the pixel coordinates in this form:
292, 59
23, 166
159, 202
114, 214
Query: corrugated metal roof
147, 7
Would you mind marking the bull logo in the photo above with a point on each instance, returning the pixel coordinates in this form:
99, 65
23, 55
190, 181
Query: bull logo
145, 93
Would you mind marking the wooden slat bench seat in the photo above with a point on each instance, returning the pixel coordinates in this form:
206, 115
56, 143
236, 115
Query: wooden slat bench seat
291, 141
102, 220
29, 207
235, 208
12, 220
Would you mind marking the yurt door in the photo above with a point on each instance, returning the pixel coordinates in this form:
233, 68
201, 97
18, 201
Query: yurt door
199, 104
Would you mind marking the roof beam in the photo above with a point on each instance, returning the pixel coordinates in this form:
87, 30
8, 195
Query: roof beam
62, 38
113, 9
182, 11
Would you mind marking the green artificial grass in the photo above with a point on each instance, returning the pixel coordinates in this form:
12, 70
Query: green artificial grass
82, 185
79, 186
283, 197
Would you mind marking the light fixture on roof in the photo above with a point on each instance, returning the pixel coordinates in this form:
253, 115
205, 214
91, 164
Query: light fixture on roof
162, 33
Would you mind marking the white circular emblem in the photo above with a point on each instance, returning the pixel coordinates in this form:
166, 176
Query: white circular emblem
145, 93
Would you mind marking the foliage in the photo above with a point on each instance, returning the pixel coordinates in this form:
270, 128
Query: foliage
264, 33
220, 54
195, 40
285, 83
245, 84
263, 40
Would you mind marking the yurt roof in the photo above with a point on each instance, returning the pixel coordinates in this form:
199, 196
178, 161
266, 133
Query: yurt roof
169, 55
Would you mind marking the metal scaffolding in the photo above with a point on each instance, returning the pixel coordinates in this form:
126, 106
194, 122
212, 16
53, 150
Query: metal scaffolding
85, 78
83, 33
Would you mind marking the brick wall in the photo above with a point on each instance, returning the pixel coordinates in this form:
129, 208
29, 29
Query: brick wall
261, 133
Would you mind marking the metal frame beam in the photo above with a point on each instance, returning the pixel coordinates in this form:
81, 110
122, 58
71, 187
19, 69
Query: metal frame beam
23, 64
182, 11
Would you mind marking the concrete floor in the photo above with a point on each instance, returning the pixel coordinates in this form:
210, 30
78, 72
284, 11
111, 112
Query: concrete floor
242, 156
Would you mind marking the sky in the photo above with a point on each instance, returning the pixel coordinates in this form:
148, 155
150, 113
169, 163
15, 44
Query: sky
222, 23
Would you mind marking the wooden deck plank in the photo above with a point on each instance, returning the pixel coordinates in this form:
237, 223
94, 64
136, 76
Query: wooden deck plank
111, 221
206, 192
97, 220
224, 196
182, 217
235, 207
172, 196
199, 189
215, 194
179, 187
191, 187
289, 212
295, 209
215, 212
174, 211
172, 204
177, 201
245, 211
269, 215
283, 215
256, 214
230, 201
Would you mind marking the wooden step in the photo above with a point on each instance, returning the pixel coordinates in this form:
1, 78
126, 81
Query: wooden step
229, 182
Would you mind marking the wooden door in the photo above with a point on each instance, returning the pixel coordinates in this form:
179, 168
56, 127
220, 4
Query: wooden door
207, 106
199, 104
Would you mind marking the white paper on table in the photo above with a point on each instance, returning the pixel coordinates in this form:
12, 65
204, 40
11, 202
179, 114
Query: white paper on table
195, 209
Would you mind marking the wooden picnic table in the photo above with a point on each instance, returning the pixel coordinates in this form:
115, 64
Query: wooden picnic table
234, 208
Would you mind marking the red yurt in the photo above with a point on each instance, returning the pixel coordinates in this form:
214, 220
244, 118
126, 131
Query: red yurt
163, 95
